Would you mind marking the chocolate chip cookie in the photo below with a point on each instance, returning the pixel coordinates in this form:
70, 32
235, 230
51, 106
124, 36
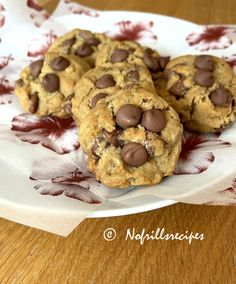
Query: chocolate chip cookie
100, 82
202, 89
81, 43
131, 138
46, 86
118, 52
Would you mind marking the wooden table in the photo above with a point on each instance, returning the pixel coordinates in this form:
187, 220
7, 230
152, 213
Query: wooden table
32, 256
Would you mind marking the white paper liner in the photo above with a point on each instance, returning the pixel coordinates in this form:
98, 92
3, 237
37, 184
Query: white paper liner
44, 180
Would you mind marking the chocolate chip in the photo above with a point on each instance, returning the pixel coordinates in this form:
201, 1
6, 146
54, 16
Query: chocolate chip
204, 62
133, 75
96, 98
153, 120
93, 41
221, 97
68, 104
151, 61
134, 154
111, 137
178, 88
94, 149
155, 76
149, 51
167, 74
131, 50
128, 116
34, 102
119, 55
84, 50
105, 81
163, 61
35, 67
69, 42
203, 78
59, 63
19, 83
51, 82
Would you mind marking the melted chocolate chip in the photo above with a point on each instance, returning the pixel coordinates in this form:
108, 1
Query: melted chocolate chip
112, 137
128, 116
69, 42
163, 61
105, 81
204, 62
203, 78
19, 83
35, 68
51, 82
134, 154
151, 61
178, 89
119, 55
94, 149
93, 41
153, 120
167, 74
34, 102
133, 75
221, 97
59, 63
149, 51
84, 50
96, 98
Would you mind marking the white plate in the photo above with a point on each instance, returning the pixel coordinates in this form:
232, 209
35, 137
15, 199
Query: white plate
211, 167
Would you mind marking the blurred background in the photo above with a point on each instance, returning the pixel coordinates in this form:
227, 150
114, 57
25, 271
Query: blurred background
198, 11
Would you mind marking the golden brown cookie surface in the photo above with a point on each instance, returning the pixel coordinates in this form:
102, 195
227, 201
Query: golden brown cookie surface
101, 82
117, 52
46, 86
202, 89
81, 43
131, 138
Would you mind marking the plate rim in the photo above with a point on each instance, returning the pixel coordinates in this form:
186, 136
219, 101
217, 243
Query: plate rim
156, 204
132, 210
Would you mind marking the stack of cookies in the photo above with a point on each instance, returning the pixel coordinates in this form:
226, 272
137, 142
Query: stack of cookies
128, 101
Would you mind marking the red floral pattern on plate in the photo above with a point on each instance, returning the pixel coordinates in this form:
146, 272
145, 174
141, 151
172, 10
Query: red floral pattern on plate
39, 46
5, 60
78, 9
65, 179
2, 16
196, 155
231, 189
39, 18
211, 38
59, 135
5, 91
231, 60
38, 15
134, 31
227, 196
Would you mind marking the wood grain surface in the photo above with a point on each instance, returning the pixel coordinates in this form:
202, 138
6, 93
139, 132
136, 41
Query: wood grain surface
31, 256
